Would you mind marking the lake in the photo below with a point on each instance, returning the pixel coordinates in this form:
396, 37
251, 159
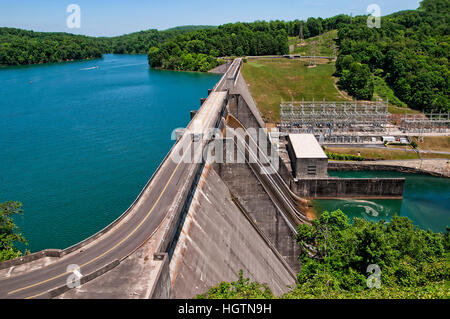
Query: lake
80, 140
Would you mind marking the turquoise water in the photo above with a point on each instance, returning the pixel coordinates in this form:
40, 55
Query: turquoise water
426, 201
78, 144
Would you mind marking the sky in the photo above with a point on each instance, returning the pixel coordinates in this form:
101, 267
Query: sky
117, 17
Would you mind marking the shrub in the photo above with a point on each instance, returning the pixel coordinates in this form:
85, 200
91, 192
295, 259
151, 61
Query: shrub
344, 157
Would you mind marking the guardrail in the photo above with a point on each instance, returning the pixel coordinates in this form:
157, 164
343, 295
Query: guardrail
58, 253
64, 288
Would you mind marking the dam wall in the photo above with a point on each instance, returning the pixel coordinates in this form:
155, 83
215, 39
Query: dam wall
217, 240
246, 187
243, 107
331, 188
251, 194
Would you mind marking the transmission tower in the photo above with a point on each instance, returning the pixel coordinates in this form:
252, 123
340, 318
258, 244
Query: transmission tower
300, 35
312, 61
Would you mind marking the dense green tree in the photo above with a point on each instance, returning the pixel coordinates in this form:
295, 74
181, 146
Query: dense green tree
234, 39
27, 47
154, 57
240, 289
340, 251
412, 50
9, 232
336, 254
313, 27
357, 81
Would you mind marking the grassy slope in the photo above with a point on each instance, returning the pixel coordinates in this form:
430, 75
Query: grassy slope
383, 91
324, 47
390, 153
401, 110
435, 143
323, 44
273, 80
378, 154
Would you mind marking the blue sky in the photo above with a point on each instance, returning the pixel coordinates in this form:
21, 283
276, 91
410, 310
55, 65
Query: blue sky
116, 17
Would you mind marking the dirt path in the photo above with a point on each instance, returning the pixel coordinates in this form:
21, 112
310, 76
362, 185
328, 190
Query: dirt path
342, 93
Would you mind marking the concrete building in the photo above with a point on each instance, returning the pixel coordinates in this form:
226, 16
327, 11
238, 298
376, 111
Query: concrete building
307, 156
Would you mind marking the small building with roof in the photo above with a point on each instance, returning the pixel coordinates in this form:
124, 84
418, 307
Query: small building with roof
307, 156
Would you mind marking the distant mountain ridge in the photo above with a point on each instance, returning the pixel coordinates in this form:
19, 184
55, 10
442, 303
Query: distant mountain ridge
410, 52
191, 27
21, 47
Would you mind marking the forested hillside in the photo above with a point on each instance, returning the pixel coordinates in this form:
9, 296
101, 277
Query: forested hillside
406, 59
19, 47
410, 52
141, 42
27, 47
198, 50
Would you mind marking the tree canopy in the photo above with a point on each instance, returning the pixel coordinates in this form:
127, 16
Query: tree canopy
410, 52
243, 288
19, 47
9, 232
198, 50
336, 255
406, 255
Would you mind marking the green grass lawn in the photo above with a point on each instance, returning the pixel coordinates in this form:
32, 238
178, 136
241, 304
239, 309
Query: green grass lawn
323, 44
402, 110
434, 143
383, 91
274, 80
376, 154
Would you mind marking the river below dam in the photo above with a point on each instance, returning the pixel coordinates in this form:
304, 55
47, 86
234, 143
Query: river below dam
426, 200
80, 140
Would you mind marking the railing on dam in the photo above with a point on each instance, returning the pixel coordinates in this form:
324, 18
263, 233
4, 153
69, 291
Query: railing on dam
286, 201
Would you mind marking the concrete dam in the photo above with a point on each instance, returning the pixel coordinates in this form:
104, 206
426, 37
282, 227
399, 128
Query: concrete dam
196, 223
